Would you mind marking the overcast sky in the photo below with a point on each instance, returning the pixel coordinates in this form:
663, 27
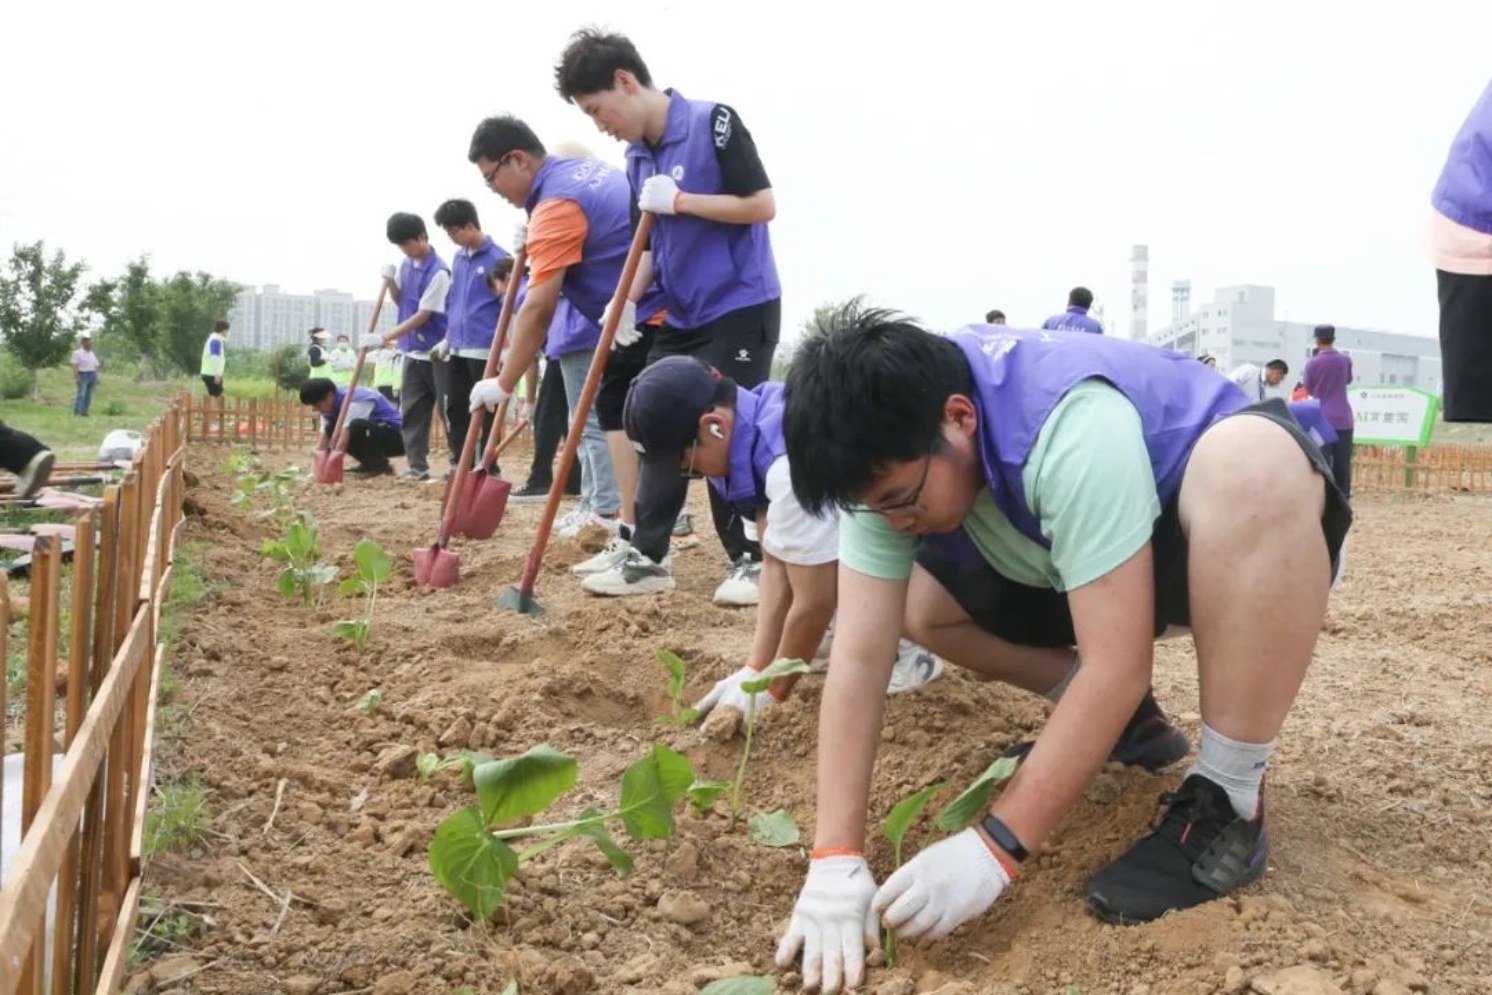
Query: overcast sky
943, 160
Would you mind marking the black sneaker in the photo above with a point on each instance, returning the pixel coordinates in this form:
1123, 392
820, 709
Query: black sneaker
1151, 743
386, 470
1201, 850
529, 493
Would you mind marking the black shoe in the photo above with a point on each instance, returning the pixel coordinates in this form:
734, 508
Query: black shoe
1150, 742
1201, 850
529, 493
363, 470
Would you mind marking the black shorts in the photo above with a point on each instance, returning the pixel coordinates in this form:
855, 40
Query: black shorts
740, 344
1038, 616
213, 385
622, 367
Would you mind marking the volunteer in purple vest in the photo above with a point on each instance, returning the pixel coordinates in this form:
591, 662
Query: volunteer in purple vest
472, 308
421, 286
372, 427
694, 165
1326, 377
1075, 318
1007, 496
1460, 242
577, 236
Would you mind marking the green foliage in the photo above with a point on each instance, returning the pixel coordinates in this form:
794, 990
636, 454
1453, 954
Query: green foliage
130, 308
370, 702
373, 568
427, 765
702, 794
780, 668
275, 489
680, 714
775, 828
189, 304
177, 820
975, 798
15, 379
289, 368
898, 821
303, 572
115, 409
474, 863
41, 315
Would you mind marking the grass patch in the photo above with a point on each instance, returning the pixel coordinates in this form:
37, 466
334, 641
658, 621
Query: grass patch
164, 928
177, 819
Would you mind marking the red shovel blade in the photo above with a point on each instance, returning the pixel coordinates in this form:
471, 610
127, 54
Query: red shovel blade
326, 466
436, 567
482, 506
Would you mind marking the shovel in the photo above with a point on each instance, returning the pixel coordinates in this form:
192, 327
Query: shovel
435, 565
521, 598
481, 508
327, 462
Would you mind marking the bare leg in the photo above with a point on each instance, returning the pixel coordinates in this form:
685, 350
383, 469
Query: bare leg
624, 464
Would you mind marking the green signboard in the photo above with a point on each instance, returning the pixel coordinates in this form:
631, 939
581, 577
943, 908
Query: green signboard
1392, 416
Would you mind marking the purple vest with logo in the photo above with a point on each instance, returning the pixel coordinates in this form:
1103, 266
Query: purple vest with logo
1464, 192
570, 331
471, 307
412, 285
601, 191
1019, 376
384, 412
756, 443
1074, 319
705, 268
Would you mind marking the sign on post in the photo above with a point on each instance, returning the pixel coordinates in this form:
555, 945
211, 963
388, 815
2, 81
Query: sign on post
1392, 416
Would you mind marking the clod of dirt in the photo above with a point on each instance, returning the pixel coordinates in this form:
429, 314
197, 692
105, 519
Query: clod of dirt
302, 984
397, 761
459, 734
174, 969
683, 864
397, 983
897, 986
567, 977
1298, 980
683, 907
1387, 987
721, 724
702, 976
639, 967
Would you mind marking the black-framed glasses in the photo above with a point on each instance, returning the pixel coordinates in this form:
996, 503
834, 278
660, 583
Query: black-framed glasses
912, 503
491, 174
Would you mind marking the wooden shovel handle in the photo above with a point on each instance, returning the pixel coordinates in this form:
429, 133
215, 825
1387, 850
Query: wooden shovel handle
337, 441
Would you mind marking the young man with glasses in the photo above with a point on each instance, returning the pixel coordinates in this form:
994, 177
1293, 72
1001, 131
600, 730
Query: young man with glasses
687, 422
1012, 494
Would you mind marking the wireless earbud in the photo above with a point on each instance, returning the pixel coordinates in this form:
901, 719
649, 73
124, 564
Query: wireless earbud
715, 431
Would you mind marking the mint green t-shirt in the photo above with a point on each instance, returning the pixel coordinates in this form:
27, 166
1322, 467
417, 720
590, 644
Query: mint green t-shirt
1087, 480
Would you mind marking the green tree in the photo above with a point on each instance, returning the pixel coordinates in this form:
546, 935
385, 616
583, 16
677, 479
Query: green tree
130, 307
289, 367
40, 313
189, 304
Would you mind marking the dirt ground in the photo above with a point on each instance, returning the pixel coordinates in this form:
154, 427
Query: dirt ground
1381, 788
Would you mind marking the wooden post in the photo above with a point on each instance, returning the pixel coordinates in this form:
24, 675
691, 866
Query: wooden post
4, 655
1411, 455
41, 691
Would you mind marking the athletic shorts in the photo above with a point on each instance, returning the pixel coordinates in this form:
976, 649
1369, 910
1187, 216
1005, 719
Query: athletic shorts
740, 344
1038, 616
622, 367
214, 388
793, 535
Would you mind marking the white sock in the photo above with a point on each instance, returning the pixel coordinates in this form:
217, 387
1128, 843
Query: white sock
1237, 768
1058, 690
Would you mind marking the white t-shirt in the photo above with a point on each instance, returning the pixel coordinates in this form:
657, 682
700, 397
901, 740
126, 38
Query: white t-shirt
432, 300
1251, 379
793, 535
85, 361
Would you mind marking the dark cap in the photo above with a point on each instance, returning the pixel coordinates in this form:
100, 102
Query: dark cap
1326, 333
661, 413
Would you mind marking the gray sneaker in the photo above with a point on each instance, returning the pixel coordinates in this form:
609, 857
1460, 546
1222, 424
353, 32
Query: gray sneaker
740, 587
633, 574
415, 476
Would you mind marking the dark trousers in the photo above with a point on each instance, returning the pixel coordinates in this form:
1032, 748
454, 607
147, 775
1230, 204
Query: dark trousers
1339, 455
1466, 346
740, 345
387, 392
16, 448
462, 373
372, 443
420, 394
551, 424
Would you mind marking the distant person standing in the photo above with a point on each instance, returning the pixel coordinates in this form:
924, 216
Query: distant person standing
1254, 380
85, 364
1327, 375
341, 360
316, 351
1075, 318
1460, 243
214, 359
386, 372
994, 317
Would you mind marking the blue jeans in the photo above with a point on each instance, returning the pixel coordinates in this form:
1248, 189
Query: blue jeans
86, 382
598, 489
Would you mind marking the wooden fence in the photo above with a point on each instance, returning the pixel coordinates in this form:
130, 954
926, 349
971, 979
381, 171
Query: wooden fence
283, 423
83, 829
1432, 470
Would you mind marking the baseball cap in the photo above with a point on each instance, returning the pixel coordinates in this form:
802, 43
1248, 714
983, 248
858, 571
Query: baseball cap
661, 418
318, 333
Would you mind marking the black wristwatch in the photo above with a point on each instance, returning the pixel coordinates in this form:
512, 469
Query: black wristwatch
1001, 834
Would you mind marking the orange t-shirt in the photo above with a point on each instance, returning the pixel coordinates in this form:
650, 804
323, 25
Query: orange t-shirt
556, 238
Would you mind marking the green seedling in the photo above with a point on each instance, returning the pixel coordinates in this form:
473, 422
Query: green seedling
474, 862
303, 572
898, 821
975, 798
470, 761
427, 765
702, 795
740, 986
681, 714
241, 462
370, 702
277, 486
774, 828
780, 668
373, 568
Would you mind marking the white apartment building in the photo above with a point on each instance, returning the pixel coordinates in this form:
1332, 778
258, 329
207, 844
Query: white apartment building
267, 318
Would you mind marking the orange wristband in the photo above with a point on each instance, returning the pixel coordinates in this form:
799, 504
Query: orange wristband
1011, 868
835, 851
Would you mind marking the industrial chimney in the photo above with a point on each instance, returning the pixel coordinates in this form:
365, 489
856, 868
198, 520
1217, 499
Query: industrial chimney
1181, 302
1139, 292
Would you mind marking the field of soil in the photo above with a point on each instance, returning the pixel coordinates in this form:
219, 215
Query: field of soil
1381, 789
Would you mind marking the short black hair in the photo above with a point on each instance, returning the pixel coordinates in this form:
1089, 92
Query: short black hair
1326, 333
402, 227
502, 269
1080, 297
590, 62
316, 389
865, 389
457, 214
990, 317
1278, 364
495, 137
220, 325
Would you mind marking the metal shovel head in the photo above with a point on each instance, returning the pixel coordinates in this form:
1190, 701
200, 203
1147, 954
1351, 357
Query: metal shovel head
436, 567
514, 600
482, 506
326, 466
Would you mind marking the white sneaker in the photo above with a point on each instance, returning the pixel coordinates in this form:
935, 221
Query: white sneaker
35, 474
615, 552
740, 587
633, 574
914, 667
572, 521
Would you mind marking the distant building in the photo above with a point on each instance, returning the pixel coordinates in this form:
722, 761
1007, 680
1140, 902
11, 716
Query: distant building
266, 319
1239, 326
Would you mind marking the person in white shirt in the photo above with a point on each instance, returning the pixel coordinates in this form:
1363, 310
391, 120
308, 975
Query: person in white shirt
1253, 380
85, 364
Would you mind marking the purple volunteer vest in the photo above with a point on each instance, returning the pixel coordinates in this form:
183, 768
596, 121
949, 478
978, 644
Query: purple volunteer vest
601, 191
705, 269
384, 413
1308, 416
1464, 191
1074, 319
756, 443
471, 307
570, 331
1019, 376
651, 302
412, 285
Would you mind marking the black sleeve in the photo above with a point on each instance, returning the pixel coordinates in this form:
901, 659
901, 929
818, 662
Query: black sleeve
314, 354
740, 166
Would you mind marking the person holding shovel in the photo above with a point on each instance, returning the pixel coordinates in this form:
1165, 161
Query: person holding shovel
694, 165
1004, 496
372, 428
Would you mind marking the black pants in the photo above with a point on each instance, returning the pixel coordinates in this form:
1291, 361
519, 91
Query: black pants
740, 345
1466, 346
462, 373
372, 443
551, 425
387, 391
1339, 456
214, 386
16, 448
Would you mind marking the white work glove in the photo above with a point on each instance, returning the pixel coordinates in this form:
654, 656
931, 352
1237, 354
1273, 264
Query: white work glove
520, 238
441, 350
627, 331
371, 341
487, 394
658, 194
727, 691
832, 924
942, 887
388, 272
